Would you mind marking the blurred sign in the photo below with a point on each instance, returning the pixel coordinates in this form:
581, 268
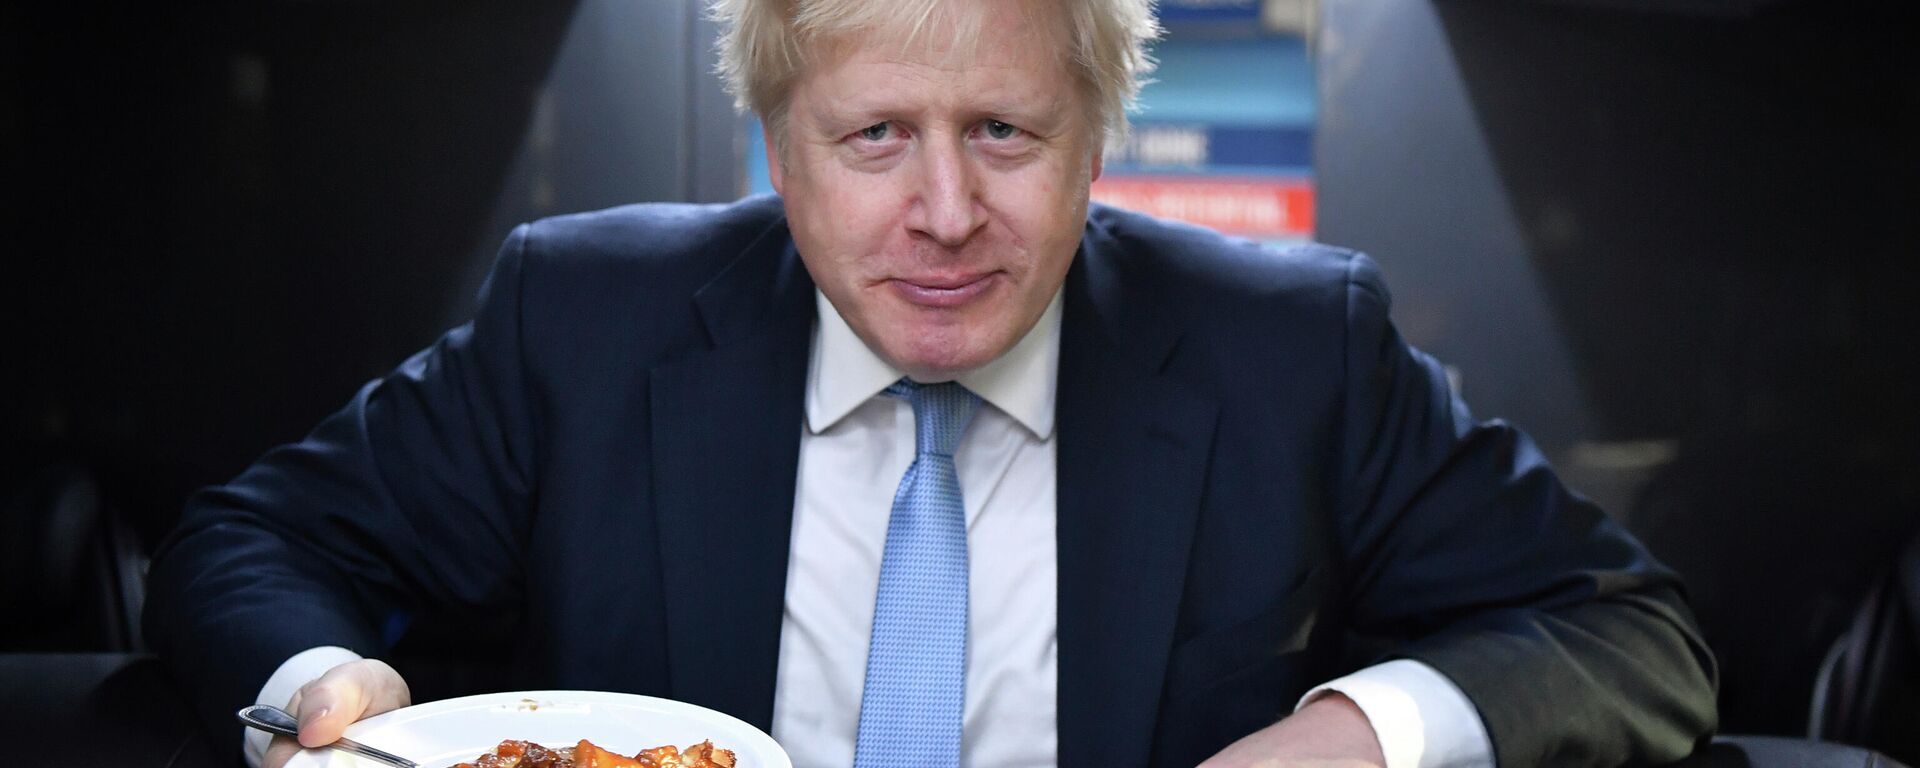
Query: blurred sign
1250, 207
1211, 10
1291, 17
1287, 17
1261, 149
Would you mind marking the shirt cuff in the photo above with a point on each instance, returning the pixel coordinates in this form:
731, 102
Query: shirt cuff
305, 667
1420, 717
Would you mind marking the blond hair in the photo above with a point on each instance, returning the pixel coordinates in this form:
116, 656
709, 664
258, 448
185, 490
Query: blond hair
764, 46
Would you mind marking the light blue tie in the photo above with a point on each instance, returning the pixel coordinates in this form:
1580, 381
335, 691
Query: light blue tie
916, 684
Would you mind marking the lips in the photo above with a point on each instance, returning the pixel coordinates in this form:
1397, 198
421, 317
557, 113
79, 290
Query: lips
943, 291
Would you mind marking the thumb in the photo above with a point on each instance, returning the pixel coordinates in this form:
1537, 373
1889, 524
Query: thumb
347, 694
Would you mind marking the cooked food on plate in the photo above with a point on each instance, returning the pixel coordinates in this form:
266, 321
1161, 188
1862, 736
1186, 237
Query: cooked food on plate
514, 753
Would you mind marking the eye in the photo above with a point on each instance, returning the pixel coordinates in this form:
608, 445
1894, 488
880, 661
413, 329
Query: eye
1000, 131
876, 132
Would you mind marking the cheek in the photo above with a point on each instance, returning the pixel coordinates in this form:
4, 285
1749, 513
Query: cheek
1041, 208
857, 210
840, 224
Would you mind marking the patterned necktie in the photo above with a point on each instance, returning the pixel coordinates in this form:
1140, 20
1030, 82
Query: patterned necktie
917, 662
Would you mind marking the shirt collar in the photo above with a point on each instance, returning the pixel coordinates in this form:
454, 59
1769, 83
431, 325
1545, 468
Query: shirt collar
842, 372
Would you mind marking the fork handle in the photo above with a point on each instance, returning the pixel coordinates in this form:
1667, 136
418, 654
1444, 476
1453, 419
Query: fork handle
275, 720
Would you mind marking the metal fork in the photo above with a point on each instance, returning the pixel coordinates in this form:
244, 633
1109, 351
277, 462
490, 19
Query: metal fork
276, 720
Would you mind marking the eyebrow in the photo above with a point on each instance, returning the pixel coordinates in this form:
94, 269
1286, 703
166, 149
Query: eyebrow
861, 111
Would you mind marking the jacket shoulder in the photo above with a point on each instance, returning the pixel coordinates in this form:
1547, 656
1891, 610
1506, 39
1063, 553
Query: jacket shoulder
1219, 267
619, 284
663, 234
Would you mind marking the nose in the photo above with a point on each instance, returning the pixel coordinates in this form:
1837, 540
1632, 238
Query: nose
948, 211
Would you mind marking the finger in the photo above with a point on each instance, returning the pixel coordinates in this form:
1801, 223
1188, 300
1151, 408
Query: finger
387, 691
279, 751
282, 748
328, 705
346, 694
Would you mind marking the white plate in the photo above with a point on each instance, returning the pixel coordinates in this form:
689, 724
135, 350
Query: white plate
441, 733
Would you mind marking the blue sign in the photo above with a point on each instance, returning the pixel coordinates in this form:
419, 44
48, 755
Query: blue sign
1209, 10
1202, 148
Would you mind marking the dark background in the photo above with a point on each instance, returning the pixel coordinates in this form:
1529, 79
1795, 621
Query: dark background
1674, 240
1680, 249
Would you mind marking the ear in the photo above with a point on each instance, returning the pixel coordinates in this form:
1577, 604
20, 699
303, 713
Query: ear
1097, 158
773, 160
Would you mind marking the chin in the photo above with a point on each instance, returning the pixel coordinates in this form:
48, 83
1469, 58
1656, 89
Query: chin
941, 356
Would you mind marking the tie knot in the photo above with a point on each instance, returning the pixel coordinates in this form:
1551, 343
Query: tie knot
940, 414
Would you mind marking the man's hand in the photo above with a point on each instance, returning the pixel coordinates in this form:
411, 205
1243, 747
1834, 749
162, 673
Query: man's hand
1329, 732
325, 707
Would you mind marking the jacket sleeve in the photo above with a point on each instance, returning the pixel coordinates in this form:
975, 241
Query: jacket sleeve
1465, 549
414, 494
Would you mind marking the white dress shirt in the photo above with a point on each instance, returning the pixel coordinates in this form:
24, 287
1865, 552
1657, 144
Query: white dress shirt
855, 446
854, 449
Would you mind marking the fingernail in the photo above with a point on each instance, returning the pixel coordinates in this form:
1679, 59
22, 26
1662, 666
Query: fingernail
307, 718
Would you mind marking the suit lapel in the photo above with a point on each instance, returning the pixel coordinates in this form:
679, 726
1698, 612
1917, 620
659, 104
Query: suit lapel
1133, 453
726, 441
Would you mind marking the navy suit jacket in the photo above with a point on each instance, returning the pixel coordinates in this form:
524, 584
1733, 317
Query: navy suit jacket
1260, 486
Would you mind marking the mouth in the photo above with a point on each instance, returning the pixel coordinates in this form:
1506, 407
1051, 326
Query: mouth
943, 291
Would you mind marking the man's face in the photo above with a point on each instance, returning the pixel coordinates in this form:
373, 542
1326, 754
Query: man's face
938, 199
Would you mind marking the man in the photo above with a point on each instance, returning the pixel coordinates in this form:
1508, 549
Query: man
922, 463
